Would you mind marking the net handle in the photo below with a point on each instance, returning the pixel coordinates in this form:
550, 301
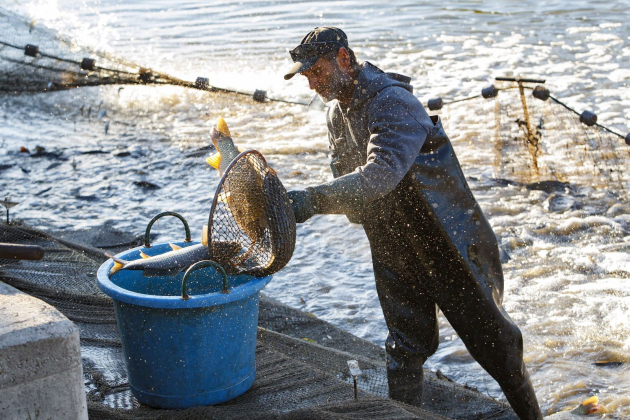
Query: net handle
220, 187
203, 264
147, 243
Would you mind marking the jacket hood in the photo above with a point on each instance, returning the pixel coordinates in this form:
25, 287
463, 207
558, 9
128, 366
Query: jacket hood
372, 80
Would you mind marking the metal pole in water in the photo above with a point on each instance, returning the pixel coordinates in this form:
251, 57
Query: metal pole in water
532, 140
530, 136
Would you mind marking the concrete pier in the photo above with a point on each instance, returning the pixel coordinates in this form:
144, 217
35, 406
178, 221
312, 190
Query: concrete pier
41, 376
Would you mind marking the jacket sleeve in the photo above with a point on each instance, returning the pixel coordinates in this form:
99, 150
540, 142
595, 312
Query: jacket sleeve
398, 125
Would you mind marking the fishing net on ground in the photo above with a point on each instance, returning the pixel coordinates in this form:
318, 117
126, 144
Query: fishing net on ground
251, 209
295, 378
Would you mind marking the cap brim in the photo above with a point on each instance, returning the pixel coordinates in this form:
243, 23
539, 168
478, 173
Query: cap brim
301, 66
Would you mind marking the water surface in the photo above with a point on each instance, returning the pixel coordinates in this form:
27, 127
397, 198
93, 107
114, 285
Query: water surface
569, 252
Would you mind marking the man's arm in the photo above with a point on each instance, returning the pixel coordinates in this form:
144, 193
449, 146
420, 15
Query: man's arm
398, 126
345, 196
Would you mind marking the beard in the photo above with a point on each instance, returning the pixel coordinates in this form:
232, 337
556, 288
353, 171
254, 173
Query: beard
338, 83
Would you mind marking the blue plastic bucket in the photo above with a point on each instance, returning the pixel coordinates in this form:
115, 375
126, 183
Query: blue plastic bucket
185, 352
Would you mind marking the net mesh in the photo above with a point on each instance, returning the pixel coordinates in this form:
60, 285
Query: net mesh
538, 141
295, 378
251, 209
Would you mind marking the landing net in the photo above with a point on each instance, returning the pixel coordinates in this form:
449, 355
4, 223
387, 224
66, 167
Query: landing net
251, 209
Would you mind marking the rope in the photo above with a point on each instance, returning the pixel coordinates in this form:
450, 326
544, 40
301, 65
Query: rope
164, 79
39, 66
461, 100
556, 100
66, 60
474, 97
530, 88
167, 79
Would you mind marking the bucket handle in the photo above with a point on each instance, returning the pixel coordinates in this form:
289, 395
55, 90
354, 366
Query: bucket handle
203, 264
159, 216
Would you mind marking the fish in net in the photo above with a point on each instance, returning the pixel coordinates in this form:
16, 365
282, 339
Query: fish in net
252, 226
251, 209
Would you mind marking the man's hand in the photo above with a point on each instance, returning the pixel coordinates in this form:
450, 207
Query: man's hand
302, 204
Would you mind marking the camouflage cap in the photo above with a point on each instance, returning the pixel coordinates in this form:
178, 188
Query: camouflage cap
316, 43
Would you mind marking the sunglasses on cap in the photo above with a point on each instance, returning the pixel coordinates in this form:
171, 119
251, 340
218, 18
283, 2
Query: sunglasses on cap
311, 49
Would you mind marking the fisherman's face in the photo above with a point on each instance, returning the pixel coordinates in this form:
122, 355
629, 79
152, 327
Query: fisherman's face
326, 78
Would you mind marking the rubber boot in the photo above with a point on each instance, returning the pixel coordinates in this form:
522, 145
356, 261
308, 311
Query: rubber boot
405, 377
406, 386
523, 401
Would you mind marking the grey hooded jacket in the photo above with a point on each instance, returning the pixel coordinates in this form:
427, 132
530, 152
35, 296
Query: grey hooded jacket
380, 134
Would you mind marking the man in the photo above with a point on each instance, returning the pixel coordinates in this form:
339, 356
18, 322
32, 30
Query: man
396, 173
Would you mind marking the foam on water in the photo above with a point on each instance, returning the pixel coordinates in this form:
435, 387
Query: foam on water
566, 251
